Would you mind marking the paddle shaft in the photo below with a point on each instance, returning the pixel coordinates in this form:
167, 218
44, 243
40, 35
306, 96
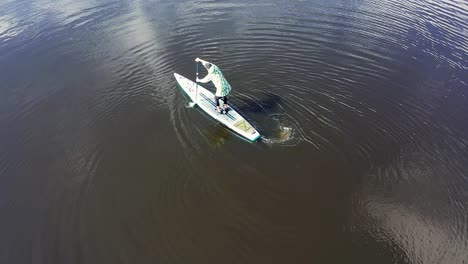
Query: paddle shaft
196, 81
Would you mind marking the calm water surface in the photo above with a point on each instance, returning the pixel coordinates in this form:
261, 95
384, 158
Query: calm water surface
362, 105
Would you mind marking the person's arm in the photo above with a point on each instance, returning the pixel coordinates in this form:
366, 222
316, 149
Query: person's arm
202, 61
205, 63
208, 76
206, 79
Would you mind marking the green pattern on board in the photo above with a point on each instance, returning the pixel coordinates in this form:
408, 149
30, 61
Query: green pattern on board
244, 126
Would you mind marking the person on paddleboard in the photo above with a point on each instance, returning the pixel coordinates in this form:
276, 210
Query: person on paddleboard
216, 76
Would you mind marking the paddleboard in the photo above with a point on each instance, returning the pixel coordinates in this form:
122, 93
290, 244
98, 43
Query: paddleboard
205, 100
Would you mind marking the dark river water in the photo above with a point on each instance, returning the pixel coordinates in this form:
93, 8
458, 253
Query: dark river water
362, 105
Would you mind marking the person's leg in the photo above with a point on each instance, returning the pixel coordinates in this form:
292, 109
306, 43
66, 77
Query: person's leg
225, 102
217, 103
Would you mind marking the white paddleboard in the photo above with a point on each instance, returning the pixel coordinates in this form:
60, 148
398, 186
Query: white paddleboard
205, 100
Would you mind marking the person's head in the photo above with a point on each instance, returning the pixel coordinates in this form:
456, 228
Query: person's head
207, 65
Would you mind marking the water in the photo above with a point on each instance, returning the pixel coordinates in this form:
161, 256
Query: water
362, 104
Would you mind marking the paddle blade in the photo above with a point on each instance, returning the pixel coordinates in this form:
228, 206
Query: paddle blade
191, 104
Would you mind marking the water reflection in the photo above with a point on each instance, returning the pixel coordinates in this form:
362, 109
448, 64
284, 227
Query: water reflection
361, 103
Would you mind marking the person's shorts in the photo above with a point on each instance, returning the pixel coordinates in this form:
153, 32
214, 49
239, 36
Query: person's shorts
220, 97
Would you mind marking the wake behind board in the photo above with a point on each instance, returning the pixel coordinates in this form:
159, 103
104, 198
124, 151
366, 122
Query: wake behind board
205, 100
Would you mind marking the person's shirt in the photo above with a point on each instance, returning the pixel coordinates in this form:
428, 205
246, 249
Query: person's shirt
216, 76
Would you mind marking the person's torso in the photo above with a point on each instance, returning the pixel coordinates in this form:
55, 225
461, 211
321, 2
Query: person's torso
222, 86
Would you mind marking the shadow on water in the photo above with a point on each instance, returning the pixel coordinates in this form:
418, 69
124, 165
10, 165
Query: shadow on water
218, 135
266, 104
277, 128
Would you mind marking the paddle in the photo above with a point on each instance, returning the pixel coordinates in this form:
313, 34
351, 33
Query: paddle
192, 104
